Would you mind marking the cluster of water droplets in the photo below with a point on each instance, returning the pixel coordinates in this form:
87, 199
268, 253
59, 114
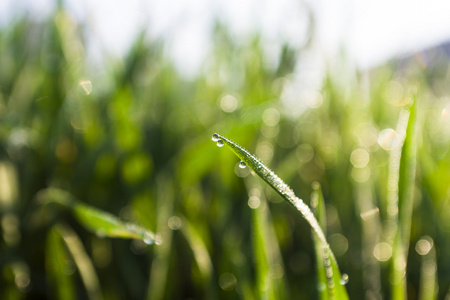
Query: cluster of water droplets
282, 188
218, 140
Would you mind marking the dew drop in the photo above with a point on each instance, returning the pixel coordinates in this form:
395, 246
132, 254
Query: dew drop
344, 279
215, 137
220, 143
148, 240
242, 164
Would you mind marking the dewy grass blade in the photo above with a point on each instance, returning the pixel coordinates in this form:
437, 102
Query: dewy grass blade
288, 194
99, 222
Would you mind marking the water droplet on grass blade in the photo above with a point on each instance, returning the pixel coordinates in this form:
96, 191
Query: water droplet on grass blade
148, 240
220, 143
215, 137
344, 279
242, 164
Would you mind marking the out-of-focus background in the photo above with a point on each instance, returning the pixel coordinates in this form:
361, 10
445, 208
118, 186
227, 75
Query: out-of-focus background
115, 102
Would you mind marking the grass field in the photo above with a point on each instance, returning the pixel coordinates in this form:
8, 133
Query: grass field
111, 188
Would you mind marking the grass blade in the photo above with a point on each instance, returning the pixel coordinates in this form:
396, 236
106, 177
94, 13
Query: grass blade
99, 222
56, 262
406, 183
318, 205
82, 261
269, 263
161, 261
428, 282
264, 285
201, 256
407, 175
288, 194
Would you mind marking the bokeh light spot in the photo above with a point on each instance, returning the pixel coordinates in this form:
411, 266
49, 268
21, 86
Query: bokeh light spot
174, 223
313, 99
276, 271
228, 103
394, 94
304, 153
359, 158
382, 251
445, 112
264, 150
254, 202
361, 174
338, 243
388, 139
271, 117
424, 245
227, 281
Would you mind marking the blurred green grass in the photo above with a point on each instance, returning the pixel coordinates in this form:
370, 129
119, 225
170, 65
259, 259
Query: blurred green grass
135, 140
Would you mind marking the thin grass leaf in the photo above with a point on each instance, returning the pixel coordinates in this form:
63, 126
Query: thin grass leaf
263, 283
57, 264
269, 264
82, 261
428, 280
160, 265
407, 176
102, 223
201, 256
288, 194
406, 183
318, 205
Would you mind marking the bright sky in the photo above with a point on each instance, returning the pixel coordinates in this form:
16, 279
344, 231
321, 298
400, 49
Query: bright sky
370, 31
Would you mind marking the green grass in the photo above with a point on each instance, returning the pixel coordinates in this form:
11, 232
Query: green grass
132, 159
329, 263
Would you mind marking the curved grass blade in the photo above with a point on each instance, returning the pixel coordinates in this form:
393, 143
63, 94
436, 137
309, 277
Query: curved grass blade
99, 222
288, 194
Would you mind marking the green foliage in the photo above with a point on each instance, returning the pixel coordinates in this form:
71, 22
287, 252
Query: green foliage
323, 251
131, 137
98, 222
